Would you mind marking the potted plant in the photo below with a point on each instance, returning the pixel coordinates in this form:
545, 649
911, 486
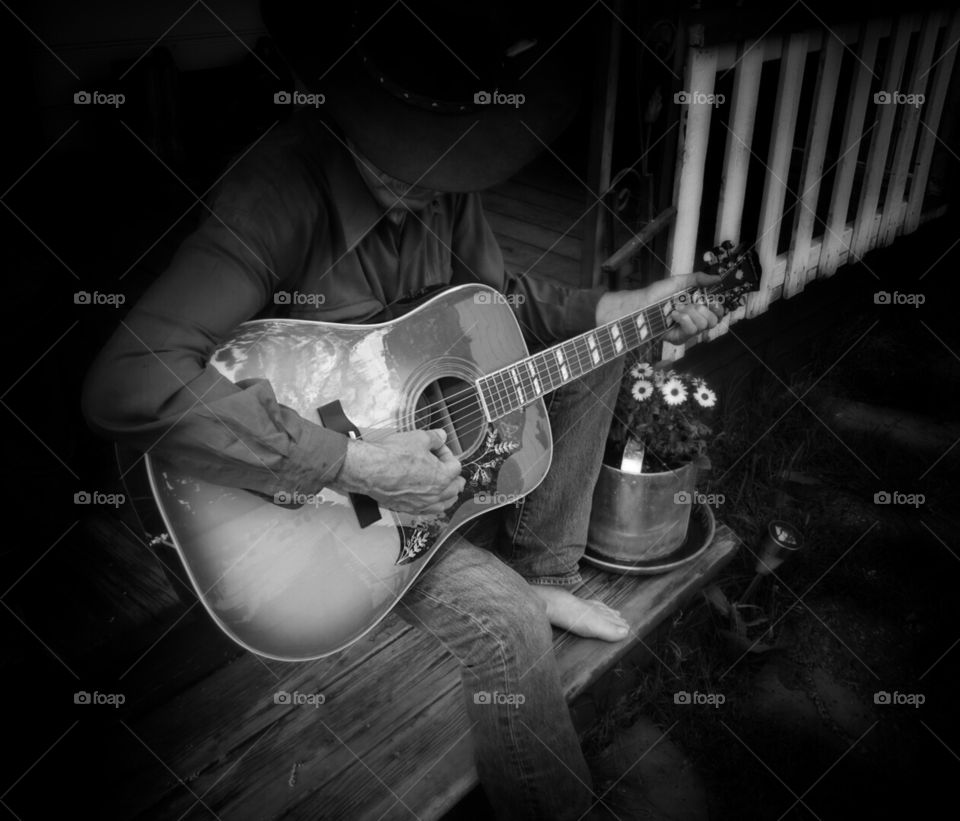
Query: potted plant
658, 442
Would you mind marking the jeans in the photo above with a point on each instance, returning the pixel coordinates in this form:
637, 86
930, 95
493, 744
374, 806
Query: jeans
475, 598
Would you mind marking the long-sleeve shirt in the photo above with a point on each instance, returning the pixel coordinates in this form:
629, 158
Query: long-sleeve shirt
292, 217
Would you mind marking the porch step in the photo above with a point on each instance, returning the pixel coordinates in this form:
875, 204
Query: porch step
390, 741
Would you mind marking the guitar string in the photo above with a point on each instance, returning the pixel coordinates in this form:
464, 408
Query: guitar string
554, 372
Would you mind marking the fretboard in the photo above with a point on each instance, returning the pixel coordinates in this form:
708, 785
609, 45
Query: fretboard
517, 385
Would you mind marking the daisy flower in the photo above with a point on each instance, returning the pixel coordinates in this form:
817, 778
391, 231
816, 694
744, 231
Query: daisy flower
674, 391
642, 370
642, 390
705, 397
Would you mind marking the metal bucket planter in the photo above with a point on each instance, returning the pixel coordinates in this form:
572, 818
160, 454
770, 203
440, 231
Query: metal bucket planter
640, 516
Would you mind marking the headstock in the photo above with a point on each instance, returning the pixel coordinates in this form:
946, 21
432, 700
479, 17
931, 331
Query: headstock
739, 268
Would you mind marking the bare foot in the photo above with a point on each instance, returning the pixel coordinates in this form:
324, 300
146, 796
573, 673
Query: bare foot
585, 617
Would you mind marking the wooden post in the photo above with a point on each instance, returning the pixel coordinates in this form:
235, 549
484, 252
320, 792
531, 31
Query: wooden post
789, 83
596, 242
833, 251
931, 121
699, 77
891, 223
798, 259
736, 158
865, 222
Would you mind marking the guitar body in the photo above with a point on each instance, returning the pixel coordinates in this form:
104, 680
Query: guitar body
302, 579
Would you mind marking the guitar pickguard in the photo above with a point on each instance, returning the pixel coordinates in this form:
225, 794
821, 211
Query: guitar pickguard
481, 478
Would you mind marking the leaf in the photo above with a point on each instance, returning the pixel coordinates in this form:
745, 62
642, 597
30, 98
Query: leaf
716, 597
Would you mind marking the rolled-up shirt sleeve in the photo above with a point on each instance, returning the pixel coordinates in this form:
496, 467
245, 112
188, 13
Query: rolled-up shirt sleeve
548, 311
152, 387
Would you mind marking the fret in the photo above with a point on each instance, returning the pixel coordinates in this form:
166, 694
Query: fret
562, 366
594, 348
547, 368
629, 330
518, 385
606, 343
534, 377
572, 354
615, 334
584, 359
509, 391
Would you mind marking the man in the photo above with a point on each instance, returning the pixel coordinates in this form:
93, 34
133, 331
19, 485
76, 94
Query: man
369, 213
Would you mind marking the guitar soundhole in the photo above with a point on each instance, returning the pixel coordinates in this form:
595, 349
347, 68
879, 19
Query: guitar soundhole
453, 405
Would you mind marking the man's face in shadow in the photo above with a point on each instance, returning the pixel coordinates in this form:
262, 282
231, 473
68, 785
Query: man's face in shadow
393, 194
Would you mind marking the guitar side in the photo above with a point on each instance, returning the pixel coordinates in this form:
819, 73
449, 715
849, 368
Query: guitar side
301, 581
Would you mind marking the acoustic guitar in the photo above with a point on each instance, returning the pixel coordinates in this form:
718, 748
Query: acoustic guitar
298, 577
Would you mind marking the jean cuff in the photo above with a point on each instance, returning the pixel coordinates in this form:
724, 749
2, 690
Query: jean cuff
566, 580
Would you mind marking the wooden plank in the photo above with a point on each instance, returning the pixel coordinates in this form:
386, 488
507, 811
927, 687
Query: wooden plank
818, 132
543, 238
596, 240
846, 166
553, 200
931, 122
391, 739
699, 79
736, 158
789, 84
495, 202
890, 224
863, 231
521, 257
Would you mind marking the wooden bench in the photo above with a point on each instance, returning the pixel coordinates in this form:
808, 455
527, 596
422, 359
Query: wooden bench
390, 740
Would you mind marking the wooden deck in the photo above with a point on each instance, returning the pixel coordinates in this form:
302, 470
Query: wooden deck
390, 740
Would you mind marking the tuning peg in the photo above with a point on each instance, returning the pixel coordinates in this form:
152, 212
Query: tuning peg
727, 245
710, 258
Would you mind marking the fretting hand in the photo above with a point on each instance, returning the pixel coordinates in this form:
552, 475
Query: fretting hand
689, 319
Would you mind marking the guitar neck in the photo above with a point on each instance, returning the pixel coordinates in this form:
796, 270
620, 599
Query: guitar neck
522, 383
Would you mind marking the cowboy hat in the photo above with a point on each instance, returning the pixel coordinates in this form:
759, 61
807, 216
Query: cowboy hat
445, 95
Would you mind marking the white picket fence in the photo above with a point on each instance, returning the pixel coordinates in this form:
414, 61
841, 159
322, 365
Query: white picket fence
897, 160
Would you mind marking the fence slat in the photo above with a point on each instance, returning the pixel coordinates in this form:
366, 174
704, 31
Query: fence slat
736, 156
778, 166
892, 220
864, 232
934, 108
834, 250
699, 77
798, 271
